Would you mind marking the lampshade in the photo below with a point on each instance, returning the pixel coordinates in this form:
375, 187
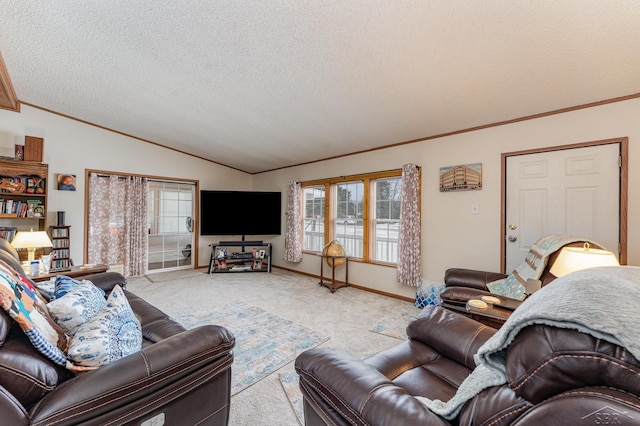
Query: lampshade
31, 240
573, 259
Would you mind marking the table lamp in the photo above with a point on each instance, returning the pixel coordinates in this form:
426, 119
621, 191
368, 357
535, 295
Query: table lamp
573, 259
31, 240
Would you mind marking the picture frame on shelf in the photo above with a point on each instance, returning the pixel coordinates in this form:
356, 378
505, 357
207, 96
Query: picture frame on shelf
261, 254
257, 264
38, 211
221, 264
19, 152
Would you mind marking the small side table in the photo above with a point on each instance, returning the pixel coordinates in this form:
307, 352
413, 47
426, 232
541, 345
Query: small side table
72, 272
492, 315
333, 285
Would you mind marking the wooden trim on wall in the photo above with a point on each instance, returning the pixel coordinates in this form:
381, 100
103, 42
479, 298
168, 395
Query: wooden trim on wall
89, 123
392, 145
469, 129
8, 98
624, 185
359, 287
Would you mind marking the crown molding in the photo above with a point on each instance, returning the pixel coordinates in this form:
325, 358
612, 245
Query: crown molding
8, 98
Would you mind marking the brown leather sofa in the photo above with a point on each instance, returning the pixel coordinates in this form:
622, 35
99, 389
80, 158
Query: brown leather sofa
555, 376
180, 377
462, 284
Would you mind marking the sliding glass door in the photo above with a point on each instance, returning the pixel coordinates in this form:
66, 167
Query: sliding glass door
170, 213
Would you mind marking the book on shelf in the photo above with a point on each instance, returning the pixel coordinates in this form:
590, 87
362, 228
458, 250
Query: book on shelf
59, 232
8, 232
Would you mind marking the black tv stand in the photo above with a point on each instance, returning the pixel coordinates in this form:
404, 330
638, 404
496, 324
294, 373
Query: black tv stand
230, 263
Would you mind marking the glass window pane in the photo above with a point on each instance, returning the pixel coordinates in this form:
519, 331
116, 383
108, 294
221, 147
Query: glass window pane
170, 205
386, 220
348, 212
313, 232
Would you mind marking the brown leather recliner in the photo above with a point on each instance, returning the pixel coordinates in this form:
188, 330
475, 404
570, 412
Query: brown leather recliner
554, 376
462, 284
180, 377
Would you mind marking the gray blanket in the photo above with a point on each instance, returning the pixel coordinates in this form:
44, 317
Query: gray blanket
602, 302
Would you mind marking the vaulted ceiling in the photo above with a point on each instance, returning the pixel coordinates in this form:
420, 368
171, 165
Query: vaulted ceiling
261, 85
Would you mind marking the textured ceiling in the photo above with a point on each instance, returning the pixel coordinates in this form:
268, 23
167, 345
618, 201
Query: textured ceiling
259, 85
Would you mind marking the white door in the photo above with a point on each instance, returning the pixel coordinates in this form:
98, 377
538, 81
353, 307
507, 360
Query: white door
572, 192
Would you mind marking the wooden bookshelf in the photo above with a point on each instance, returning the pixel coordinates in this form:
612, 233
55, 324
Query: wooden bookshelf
23, 195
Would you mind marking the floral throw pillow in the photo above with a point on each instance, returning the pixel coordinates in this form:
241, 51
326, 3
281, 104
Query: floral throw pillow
114, 332
77, 306
23, 303
63, 284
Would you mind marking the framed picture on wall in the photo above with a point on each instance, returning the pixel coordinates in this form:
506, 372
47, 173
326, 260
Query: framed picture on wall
66, 182
464, 177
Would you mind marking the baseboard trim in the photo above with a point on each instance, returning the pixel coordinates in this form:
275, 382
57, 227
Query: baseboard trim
359, 287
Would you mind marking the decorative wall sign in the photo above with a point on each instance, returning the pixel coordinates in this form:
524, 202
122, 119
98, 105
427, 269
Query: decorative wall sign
461, 178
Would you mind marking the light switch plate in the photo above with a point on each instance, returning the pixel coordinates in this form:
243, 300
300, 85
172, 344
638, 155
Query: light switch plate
475, 208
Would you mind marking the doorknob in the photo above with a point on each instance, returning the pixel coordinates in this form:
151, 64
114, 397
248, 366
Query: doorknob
513, 238
513, 226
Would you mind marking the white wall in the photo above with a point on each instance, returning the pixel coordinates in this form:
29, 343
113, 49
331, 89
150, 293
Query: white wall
451, 236
71, 147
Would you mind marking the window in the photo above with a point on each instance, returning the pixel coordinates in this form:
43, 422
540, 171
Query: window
348, 213
386, 223
361, 211
313, 232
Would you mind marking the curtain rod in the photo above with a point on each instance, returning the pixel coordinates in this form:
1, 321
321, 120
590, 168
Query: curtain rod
100, 175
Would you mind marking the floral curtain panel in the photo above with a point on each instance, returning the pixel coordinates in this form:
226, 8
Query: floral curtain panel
293, 237
118, 221
409, 254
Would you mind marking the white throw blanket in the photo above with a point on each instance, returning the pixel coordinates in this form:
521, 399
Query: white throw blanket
602, 302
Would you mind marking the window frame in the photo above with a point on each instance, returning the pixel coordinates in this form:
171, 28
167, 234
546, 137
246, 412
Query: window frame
373, 222
368, 215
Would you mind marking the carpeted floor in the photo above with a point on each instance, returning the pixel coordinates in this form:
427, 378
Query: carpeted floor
345, 318
158, 277
394, 322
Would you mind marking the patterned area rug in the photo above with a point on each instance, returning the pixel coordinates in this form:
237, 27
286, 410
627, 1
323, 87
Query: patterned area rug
264, 342
394, 323
290, 384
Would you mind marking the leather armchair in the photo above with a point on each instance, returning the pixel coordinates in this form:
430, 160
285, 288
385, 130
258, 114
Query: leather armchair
179, 377
462, 284
555, 376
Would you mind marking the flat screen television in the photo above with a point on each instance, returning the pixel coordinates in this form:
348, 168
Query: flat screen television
240, 213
